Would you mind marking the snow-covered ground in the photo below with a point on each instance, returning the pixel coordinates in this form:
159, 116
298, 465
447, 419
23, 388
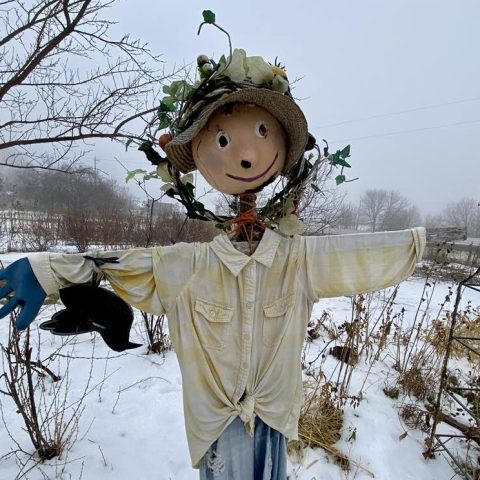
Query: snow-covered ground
132, 423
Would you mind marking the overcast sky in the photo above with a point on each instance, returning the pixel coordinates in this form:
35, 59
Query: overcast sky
398, 80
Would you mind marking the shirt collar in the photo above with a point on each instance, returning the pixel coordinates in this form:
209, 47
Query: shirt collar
235, 260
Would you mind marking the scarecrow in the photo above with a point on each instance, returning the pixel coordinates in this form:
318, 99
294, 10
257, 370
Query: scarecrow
238, 306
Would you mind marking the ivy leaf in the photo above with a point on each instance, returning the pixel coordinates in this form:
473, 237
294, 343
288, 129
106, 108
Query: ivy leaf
167, 105
127, 143
315, 188
132, 173
190, 189
164, 121
200, 207
338, 160
345, 153
340, 179
208, 16
342, 162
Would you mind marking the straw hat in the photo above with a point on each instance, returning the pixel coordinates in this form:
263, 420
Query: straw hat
281, 106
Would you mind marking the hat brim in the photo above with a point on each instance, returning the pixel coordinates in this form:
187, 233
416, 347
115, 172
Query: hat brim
282, 107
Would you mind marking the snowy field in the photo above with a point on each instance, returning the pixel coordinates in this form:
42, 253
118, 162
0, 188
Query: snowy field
131, 426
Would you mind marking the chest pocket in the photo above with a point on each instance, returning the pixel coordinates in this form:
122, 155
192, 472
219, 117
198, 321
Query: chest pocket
212, 323
275, 321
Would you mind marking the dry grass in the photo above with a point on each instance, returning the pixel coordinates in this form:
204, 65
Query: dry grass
320, 423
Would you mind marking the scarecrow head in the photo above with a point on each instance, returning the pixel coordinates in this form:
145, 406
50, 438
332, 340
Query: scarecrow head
247, 130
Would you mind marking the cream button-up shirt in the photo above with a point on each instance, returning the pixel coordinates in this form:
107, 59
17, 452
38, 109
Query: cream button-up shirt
238, 322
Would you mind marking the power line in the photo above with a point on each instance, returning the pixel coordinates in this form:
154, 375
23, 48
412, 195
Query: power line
399, 112
399, 132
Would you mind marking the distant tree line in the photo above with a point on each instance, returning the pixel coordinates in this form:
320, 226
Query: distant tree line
42, 209
88, 209
380, 210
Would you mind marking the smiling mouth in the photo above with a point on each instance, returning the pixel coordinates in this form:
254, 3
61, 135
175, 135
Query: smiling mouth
252, 179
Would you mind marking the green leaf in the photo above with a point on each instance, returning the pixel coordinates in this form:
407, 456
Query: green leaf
208, 16
127, 143
167, 105
164, 124
132, 173
345, 153
222, 60
338, 160
342, 162
221, 226
190, 189
176, 88
200, 207
315, 188
340, 179
164, 121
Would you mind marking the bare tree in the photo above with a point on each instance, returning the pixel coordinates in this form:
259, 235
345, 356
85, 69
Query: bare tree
348, 216
398, 212
464, 213
320, 212
373, 204
388, 210
64, 81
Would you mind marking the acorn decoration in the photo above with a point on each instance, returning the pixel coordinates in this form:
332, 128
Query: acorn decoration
163, 140
205, 67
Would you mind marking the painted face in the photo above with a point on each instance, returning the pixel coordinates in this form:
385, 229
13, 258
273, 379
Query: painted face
241, 148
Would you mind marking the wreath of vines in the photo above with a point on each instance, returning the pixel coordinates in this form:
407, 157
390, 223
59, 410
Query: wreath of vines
179, 109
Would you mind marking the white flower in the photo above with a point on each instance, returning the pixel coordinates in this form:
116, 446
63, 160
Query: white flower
291, 225
258, 70
280, 84
236, 67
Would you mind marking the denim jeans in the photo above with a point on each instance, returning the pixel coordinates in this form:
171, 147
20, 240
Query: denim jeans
235, 455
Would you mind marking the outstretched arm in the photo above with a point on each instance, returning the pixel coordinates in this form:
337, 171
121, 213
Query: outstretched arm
339, 265
146, 278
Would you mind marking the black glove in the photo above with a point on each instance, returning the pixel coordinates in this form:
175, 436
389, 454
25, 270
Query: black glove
93, 309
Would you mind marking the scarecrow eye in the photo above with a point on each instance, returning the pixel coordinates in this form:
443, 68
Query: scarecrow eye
261, 129
222, 139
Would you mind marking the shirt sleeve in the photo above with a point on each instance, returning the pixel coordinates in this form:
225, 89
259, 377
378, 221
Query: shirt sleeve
149, 279
356, 263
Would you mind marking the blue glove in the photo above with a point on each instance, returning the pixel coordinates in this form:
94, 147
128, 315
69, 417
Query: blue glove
27, 292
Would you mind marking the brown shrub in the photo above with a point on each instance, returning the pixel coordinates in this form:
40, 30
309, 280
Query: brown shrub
468, 325
414, 417
418, 382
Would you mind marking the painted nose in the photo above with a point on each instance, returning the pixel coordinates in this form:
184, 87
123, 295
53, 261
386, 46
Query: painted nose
245, 164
